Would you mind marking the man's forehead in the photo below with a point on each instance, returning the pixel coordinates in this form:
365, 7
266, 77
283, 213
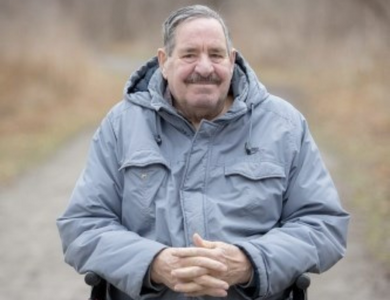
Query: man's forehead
191, 47
190, 33
200, 25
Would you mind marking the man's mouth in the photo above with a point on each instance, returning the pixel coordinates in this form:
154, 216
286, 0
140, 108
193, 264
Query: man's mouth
198, 79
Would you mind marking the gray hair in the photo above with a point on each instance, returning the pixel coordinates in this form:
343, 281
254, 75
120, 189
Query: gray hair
189, 13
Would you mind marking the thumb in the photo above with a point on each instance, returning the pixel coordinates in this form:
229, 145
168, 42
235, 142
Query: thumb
199, 242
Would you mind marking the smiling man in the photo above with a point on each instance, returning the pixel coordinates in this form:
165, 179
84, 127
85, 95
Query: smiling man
199, 69
200, 183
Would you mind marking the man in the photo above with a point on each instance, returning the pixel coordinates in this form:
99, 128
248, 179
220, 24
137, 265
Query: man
200, 183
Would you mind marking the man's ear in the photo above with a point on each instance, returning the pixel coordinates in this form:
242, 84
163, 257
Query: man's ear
162, 60
233, 58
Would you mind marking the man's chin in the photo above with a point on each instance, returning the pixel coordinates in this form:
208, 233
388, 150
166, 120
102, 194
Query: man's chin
204, 103
203, 90
203, 84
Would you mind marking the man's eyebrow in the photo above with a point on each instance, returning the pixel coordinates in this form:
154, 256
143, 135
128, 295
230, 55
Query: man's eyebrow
218, 49
187, 49
195, 49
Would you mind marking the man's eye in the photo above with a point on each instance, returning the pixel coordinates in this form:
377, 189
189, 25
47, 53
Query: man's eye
189, 58
188, 55
216, 57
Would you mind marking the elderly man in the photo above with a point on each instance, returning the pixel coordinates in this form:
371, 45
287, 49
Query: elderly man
200, 183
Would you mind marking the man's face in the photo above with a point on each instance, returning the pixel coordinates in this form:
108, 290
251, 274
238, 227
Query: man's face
200, 68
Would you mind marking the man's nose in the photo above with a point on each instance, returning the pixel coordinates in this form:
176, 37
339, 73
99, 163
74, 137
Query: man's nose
204, 66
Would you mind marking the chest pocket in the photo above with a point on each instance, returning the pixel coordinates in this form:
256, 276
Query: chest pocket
257, 188
255, 170
145, 180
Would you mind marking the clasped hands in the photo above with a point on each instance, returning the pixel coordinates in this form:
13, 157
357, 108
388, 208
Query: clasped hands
209, 268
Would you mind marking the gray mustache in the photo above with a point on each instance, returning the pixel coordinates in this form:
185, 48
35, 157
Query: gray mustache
196, 78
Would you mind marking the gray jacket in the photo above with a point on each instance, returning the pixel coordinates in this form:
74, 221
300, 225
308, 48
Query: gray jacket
252, 177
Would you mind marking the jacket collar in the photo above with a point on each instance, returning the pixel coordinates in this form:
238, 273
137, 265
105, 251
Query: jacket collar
245, 86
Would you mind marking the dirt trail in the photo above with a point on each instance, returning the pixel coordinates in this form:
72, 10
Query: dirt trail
31, 263
31, 260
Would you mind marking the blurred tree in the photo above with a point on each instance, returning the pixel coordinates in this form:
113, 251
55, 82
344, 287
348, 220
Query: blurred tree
121, 27
381, 8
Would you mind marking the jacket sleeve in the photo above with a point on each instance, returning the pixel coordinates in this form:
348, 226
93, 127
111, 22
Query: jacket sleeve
90, 229
313, 225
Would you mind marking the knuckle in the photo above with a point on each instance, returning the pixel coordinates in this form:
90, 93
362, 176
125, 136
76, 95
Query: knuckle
199, 271
220, 252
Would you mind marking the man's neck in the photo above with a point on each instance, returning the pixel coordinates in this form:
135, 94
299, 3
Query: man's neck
193, 118
196, 120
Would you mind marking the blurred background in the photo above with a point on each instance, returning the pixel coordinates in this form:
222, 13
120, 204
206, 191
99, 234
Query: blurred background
64, 64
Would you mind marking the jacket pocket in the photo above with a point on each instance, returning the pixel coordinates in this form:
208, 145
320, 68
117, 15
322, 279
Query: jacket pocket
255, 170
145, 180
252, 197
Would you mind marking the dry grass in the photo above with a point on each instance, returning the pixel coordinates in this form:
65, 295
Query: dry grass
348, 108
37, 118
46, 95
334, 55
360, 112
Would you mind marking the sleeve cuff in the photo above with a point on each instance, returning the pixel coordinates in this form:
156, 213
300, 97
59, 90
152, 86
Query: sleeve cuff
250, 283
148, 284
252, 288
150, 287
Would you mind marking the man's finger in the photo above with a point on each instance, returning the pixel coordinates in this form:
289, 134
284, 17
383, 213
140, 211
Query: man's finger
210, 264
198, 276
216, 253
209, 292
193, 289
199, 242
188, 287
189, 273
212, 282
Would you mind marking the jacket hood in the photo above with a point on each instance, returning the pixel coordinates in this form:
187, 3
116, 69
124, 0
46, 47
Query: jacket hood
146, 87
245, 85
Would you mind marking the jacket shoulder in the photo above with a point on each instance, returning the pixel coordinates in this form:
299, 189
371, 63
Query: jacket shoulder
118, 110
283, 109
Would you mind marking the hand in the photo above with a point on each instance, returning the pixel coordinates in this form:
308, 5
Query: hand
162, 267
239, 268
188, 270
